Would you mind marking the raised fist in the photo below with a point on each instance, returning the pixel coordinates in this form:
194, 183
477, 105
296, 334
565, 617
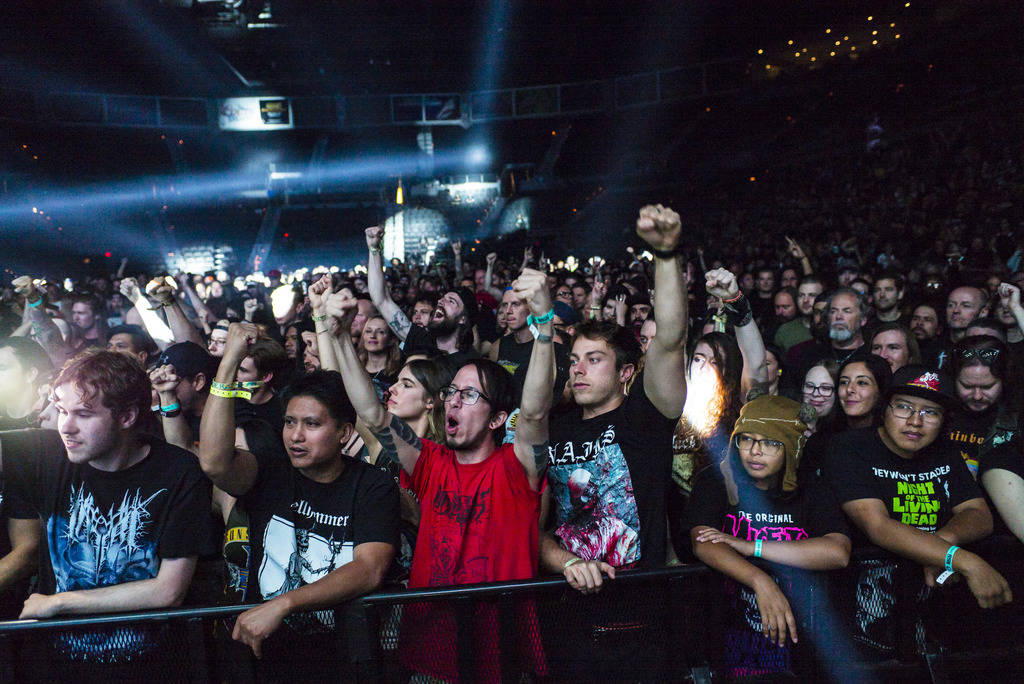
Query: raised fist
491, 258
1009, 296
374, 237
24, 286
659, 227
240, 338
531, 287
721, 283
165, 379
130, 289
319, 291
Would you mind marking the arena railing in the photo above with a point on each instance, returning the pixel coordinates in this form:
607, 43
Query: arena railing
647, 625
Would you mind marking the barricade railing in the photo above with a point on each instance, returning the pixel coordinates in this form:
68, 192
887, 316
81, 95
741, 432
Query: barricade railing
646, 625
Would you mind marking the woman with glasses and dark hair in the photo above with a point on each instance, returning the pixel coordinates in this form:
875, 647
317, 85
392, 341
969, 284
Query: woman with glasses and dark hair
753, 504
986, 430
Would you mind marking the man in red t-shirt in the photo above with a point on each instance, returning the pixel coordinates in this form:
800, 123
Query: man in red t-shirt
480, 500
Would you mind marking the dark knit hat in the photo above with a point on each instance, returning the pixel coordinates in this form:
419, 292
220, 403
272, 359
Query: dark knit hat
778, 418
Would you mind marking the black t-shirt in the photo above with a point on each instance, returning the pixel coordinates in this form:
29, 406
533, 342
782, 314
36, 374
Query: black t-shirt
271, 412
105, 528
300, 529
13, 596
920, 492
967, 432
608, 476
420, 340
515, 358
810, 512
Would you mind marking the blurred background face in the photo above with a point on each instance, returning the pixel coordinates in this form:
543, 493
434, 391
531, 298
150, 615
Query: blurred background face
647, 332
311, 354
886, 295
924, 323
817, 384
376, 335
218, 338
14, 378
785, 307
891, 346
806, 295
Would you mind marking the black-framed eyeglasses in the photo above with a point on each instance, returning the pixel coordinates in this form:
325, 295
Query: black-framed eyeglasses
469, 395
824, 390
903, 411
986, 356
769, 447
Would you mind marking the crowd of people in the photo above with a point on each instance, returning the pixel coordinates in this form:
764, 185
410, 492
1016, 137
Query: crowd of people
298, 440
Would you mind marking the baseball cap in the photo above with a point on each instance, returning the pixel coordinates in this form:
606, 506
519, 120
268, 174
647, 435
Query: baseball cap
189, 359
565, 312
917, 380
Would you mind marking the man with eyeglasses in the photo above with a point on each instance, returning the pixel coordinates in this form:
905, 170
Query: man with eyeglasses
480, 499
909, 493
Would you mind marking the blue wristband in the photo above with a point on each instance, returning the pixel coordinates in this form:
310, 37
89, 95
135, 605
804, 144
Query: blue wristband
549, 316
172, 407
758, 547
949, 557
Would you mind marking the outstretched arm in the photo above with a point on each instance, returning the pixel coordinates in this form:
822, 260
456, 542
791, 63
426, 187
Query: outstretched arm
665, 372
722, 284
45, 330
157, 329
231, 469
531, 438
398, 440
397, 320
182, 329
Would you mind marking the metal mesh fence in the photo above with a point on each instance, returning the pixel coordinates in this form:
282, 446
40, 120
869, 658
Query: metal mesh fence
662, 625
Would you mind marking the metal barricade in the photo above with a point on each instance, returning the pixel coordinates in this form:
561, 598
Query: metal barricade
651, 625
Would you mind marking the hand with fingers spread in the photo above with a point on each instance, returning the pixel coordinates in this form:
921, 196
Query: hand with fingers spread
721, 283
586, 576
777, 619
659, 227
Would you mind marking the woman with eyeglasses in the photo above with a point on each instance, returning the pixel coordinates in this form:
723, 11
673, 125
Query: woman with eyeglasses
752, 505
986, 431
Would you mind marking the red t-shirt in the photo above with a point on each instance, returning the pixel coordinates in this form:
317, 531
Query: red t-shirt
478, 524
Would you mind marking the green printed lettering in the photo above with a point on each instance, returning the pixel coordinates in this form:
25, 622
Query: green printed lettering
902, 487
929, 487
897, 506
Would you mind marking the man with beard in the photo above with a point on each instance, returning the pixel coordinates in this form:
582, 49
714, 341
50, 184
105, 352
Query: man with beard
88, 323
798, 329
450, 326
847, 312
888, 296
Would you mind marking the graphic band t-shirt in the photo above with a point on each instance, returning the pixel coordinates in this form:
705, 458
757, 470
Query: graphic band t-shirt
920, 492
105, 528
811, 512
300, 530
608, 476
479, 524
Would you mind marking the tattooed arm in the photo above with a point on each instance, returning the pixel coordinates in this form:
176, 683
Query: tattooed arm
531, 443
398, 441
397, 320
